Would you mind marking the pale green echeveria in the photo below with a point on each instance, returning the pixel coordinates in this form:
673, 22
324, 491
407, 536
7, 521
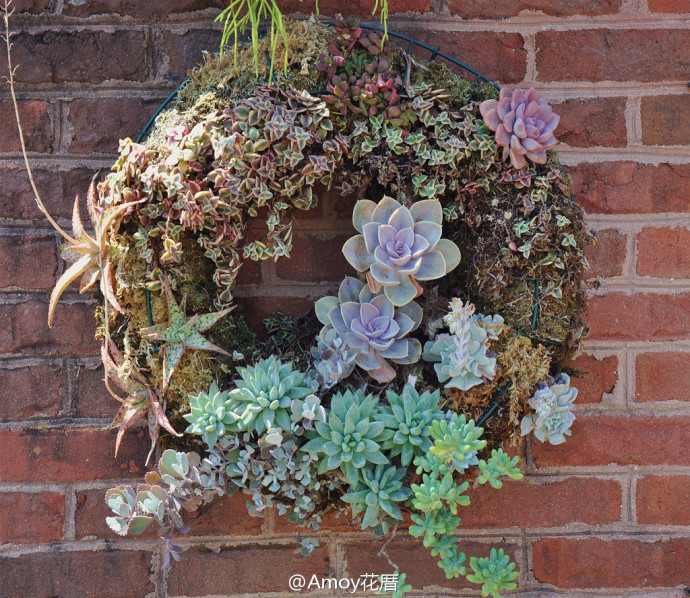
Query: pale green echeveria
333, 359
211, 414
350, 438
370, 325
552, 403
409, 415
381, 487
400, 245
263, 396
462, 360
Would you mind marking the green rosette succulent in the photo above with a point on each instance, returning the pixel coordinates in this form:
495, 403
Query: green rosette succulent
552, 403
351, 437
211, 414
381, 487
400, 245
371, 327
264, 393
409, 416
463, 360
456, 441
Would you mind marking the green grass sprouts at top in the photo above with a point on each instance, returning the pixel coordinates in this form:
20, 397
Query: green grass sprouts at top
242, 13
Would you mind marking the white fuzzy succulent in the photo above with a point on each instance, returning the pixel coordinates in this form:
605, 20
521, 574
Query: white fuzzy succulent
552, 403
463, 356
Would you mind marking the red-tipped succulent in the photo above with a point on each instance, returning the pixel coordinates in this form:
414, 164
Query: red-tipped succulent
524, 125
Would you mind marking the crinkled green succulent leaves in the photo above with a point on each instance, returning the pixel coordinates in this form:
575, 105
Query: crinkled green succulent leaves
400, 246
372, 326
351, 436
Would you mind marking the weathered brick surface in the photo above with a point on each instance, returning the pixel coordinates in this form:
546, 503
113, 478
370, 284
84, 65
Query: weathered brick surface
577, 115
28, 262
244, 569
669, 6
599, 440
592, 501
119, 574
35, 455
176, 52
664, 120
37, 123
607, 255
613, 55
674, 384
55, 188
91, 398
97, 125
80, 56
133, 8
491, 9
640, 316
313, 258
664, 252
35, 517
631, 188
599, 376
663, 500
594, 563
36, 391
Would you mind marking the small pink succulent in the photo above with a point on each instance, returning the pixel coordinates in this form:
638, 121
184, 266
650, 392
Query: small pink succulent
524, 125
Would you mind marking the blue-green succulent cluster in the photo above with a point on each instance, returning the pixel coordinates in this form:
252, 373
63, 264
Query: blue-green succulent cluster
552, 403
211, 414
494, 573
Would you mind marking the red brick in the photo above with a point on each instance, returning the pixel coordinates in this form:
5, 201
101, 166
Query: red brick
607, 255
662, 377
37, 391
355, 8
493, 9
663, 500
99, 124
613, 55
583, 500
37, 517
641, 316
177, 52
225, 516
664, 252
70, 455
91, 398
621, 440
28, 262
630, 188
244, 569
413, 559
595, 563
342, 523
17, 198
315, 257
577, 116
499, 56
86, 56
665, 120
31, 6
599, 377
112, 574
138, 9
24, 329
36, 118
672, 6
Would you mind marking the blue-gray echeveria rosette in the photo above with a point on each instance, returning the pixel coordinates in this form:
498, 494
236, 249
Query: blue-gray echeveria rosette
399, 246
371, 326
552, 403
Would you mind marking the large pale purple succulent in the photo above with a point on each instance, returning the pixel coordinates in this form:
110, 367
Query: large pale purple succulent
372, 327
524, 125
400, 246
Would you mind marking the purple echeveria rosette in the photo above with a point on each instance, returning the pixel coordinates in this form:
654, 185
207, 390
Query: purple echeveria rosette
372, 326
524, 125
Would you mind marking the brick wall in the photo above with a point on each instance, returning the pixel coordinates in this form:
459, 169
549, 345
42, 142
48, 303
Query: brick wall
608, 513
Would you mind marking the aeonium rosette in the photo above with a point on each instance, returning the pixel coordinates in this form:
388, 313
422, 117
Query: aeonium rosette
372, 327
399, 246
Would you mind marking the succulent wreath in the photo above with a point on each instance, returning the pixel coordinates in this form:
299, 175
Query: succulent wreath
397, 395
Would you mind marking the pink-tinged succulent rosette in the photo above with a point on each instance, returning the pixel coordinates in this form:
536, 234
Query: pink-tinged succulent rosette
524, 125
